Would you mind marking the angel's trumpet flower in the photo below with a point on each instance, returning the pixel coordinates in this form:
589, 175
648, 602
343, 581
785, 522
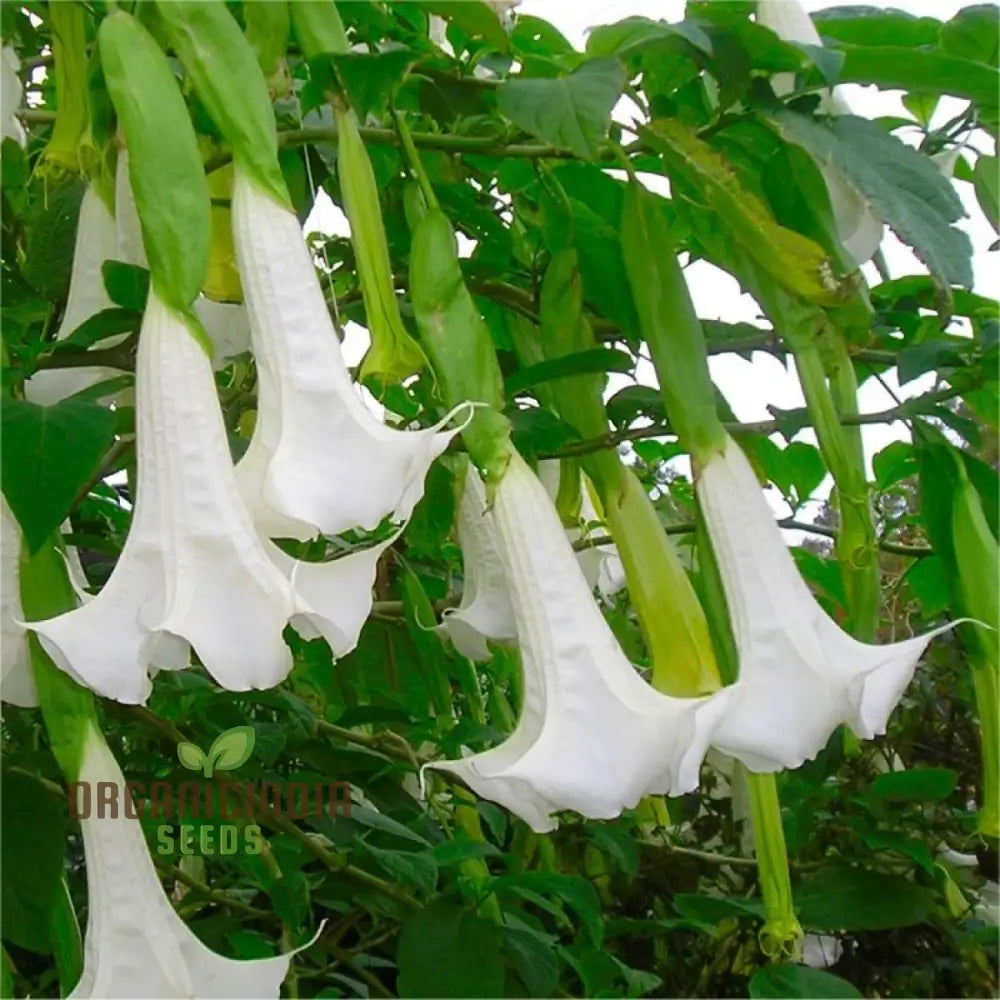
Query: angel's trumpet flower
17, 686
800, 675
319, 460
96, 242
11, 92
136, 945
593, 736
485, 611
860, 229
194, 572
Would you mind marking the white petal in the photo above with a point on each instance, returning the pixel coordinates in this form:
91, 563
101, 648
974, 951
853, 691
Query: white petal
129, 229
136, 945
17, 685
193, 570
858, 227
593, 736
800, 675
95, 243
319, 460
485, 611
10, 95
228, 327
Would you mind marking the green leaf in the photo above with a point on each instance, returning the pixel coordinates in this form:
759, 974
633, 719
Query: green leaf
67, 944
49, 251
31, 861
49, 452
973, 33
875, 26
894, 463
572, 111
446, 950
596, 359
232, 748
920, 784
799, 981
894, 67
533, 958
379, 821
574, 891
419, 870
191, 756
838, 898
928, 579
986, 180
633, 33
127, 285
473, 17
902, 186
370, 80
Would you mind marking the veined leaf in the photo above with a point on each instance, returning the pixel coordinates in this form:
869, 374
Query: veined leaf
902, 186
572, 111
597, 359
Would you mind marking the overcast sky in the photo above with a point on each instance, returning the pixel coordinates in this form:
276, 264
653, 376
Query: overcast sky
752, 386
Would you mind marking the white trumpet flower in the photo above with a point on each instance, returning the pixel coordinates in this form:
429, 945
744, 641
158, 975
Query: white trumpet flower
96, 242
859, 228
801, 675
136, 945
485, 611
601, 564
319, 460
17, 685
194, 572
11, 92
593, 736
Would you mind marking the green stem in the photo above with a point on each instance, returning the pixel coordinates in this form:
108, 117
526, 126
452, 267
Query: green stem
413, 158
856, 548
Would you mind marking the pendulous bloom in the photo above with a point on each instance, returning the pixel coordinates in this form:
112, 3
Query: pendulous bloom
592, 736
96, 242
17, 685
194, 572
136, 945
319, 460
485, 611
800, 674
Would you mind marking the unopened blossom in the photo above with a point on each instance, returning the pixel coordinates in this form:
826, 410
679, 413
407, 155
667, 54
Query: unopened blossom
194, 572
860, 229
96, 242
593, 736
136, 945
319, 459
485, 611
800, 674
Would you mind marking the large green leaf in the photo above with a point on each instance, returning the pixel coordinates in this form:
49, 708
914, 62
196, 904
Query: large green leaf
594, 360
446, 950
31, 861
576, 892
974, 33
902, 186
894, 67
49, 452
798, 981
920, 784
838, 898
875, 26
572, 111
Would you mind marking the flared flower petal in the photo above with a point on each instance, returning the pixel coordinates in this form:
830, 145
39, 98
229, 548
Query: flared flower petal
593, 736
193, 572
319, 460
17, 685
485, 611
136, 945
801, 675
228, 327
96, 242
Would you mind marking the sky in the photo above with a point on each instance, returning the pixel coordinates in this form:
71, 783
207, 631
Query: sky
751, 386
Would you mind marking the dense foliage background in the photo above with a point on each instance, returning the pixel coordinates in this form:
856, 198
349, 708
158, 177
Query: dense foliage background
649, 904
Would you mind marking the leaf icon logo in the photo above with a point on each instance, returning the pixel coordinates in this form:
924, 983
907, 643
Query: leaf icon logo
230, 749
